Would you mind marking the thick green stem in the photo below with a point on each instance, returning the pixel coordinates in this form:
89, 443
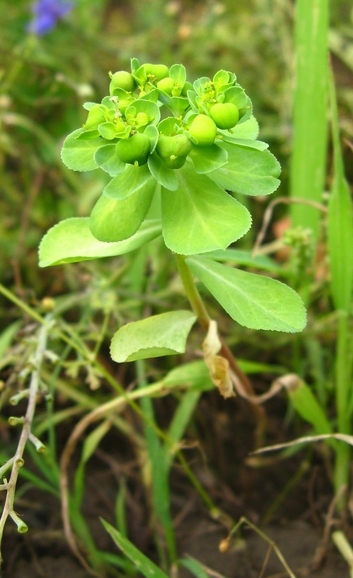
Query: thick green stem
192, 293
204, 319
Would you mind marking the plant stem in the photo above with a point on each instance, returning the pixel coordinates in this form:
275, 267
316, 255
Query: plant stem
343, 385
204, 319
8, 509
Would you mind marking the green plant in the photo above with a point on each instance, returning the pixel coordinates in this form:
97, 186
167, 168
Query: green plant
175, 165
314, 96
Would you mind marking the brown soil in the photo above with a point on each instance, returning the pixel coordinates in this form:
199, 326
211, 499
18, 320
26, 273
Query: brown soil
287, 499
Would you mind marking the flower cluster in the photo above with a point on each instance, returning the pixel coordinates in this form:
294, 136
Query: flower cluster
46, 13
155, 134
131, 115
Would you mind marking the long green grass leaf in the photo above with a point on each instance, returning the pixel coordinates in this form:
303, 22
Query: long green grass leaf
340, 221
310, 109
142, 563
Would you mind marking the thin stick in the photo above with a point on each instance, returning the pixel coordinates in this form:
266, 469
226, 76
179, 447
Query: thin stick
17, 460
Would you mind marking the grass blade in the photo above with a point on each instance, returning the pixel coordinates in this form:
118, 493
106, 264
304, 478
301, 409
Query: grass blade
310, 109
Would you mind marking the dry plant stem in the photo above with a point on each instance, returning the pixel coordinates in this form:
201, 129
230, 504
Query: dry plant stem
272, 544
204, 319
268, 216
17, 460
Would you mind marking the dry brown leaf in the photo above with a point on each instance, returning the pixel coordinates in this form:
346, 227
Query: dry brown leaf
218, 366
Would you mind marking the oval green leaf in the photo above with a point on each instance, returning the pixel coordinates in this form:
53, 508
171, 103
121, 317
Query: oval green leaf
71, 241
165, 176
132, 180
207, 159
78, 153
252, 300
156, 336
200, 216
118, 219
248, 171
107, 159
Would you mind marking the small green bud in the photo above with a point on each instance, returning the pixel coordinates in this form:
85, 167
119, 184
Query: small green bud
141, 119
122, 79
203, 130
134, 149
224, 114
123, 104
174, 150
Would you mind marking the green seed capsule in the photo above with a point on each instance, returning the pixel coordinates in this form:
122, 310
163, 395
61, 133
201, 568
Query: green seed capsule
134, 149
224, 114
141, 119
174, 150
203, 130
166, 84
122, 79
159, 71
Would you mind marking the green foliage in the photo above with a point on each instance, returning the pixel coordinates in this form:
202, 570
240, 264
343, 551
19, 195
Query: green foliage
254, 301
175, 199
156, 336
71, 241
308, 165
192, 163
142, 563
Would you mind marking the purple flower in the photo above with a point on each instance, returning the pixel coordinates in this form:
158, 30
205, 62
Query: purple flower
46, 13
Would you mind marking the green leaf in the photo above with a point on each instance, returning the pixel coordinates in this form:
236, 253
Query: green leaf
208, 159
156, 336
248, 171
178, 73
237, 95
308, 407
309, 142
6, 337
143, 564
107, 130
241, 257
107, 159
200, 216
251, 144
71, 241
340, 221
193, 376
252, 300
248, 129
133, 179
118, 219
340, 235
78, 154
194, 568
164, 175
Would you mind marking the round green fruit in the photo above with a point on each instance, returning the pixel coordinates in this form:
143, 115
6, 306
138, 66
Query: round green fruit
124, 80
134, 149
159, 71
173, 150
224, 114
203, 130
166, 85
